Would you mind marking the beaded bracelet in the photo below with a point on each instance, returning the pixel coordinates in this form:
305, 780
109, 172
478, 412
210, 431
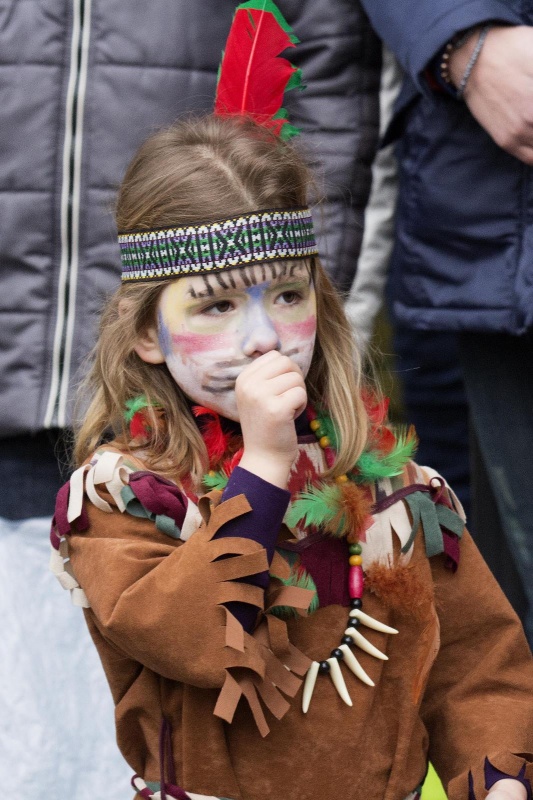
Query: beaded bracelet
454, 44
472, 62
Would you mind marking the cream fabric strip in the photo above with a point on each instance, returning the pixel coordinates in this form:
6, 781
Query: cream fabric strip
192, 521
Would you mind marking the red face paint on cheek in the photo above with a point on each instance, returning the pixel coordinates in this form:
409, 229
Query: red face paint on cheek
305, 329
191, 343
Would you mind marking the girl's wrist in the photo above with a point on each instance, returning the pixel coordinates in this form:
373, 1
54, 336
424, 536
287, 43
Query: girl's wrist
508, 789
269, 468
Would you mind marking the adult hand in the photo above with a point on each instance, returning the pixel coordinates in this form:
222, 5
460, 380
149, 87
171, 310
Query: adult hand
499, 92
270, 394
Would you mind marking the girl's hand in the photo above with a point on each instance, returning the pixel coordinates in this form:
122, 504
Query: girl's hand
270, 394
507, 789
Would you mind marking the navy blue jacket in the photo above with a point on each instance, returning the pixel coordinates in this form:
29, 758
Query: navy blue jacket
463, 258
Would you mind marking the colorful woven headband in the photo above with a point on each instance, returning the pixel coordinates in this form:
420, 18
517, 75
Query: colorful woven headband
197, 249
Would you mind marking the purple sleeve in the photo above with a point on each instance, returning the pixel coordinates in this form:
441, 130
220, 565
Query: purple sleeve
492, 775
269, 504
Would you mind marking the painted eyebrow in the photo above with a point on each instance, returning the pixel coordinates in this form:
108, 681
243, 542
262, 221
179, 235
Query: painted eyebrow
220, 282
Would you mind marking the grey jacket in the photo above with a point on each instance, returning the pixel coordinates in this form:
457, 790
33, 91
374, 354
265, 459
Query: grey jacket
83, 83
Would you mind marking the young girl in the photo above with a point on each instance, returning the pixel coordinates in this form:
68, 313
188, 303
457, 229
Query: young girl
318, 624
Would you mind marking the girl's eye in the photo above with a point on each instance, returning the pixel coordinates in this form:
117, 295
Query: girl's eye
216, 309
289, 298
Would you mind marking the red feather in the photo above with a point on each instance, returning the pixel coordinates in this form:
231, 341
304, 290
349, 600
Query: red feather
216, 441
139, 427
252, 78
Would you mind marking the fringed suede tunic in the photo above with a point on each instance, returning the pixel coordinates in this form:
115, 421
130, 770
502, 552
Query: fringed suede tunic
205, 705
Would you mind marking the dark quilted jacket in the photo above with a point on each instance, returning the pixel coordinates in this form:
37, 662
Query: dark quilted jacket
83, 83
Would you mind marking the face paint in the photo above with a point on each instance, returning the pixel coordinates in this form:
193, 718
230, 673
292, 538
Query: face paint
211, 327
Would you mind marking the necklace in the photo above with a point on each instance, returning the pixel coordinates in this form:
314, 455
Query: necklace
341, 507
356, 581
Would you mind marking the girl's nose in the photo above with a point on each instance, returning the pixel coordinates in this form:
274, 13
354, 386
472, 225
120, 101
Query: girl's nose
260, 335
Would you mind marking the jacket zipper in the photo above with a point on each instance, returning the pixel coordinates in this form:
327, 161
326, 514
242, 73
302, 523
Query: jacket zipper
56, 411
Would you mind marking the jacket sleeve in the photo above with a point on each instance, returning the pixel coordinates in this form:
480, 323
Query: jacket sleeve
338, 114
478, 703
416, 30
164, 602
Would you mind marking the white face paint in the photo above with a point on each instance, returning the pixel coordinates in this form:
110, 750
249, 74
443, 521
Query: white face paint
212, 326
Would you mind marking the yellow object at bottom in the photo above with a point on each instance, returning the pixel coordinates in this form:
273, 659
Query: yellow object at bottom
432, 788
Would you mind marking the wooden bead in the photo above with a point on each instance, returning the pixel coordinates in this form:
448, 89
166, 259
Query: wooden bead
355, 549
341, 478
324, 442
314, 424
355, 582
355, 561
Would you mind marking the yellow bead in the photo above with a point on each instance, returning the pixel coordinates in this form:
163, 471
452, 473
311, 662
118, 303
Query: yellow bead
355, 561
324, 442
211, 473
341, 478
314, 424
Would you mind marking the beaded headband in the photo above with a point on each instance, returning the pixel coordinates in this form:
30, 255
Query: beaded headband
198, 249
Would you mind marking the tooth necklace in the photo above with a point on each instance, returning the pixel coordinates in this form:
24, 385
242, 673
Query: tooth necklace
339, 508
356, 618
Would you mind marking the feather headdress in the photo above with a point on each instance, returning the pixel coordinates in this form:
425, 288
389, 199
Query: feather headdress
252, 77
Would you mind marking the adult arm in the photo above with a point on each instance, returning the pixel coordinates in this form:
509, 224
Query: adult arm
416, 30
500, 87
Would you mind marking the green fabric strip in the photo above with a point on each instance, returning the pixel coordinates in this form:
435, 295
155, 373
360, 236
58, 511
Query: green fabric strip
134, 507
433, 518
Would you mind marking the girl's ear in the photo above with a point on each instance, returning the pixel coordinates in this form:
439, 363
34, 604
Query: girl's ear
147, 347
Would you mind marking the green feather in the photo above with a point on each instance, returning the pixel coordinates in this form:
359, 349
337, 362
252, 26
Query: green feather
268, 5
328, 428
373, 465
300, 578
217, 481
295, 81
317, 506
133, 405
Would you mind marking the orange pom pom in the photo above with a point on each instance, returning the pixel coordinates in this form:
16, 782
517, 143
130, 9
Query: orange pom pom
356, 507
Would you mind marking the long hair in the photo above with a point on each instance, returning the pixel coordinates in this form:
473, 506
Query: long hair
199, 170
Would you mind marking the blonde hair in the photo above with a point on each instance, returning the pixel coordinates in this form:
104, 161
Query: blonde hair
195, 171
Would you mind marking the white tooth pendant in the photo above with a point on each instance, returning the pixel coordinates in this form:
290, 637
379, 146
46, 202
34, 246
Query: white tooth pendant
364, 644
338, 680
370, 622
309, 685
353, 664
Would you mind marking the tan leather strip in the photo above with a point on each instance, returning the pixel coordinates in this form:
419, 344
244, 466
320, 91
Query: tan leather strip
233, 545
240, 566
281, 677
292, 596
429, 644
226, 511
234, 632
226, 592
250, 692
207, 503
252, 659
297, 661
274, 700
278, 635
228, 699
280, 567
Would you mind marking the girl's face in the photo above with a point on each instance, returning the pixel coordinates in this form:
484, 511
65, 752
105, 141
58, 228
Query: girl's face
211, 326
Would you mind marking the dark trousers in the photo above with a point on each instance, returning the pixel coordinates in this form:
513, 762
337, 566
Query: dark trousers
498, 374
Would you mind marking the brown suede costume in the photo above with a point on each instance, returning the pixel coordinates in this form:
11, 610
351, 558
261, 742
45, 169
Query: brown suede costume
168, 646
